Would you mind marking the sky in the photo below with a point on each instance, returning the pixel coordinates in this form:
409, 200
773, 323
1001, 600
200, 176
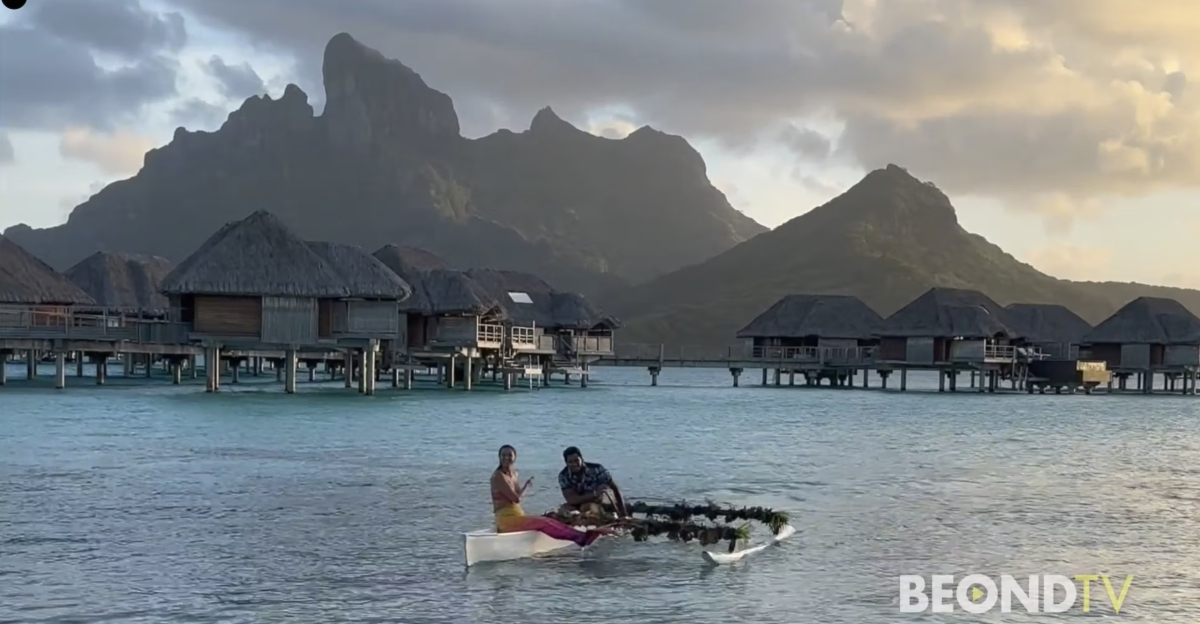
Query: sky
1065, 131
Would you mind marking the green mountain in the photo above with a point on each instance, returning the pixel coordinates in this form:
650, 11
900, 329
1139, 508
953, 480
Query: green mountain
385, 163
887, 239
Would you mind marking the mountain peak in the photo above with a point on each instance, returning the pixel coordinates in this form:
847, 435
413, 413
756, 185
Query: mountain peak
371, 99
546, 122
892, 194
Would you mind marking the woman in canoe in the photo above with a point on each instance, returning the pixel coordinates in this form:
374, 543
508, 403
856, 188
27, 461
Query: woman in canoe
506, 503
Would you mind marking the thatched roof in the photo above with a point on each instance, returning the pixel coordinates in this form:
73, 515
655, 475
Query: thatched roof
823, 316
26, 280
1148, 320
436, 291
410, 258
362, 273
122, 281
258, 255
949, 313
1044, 322
545, 306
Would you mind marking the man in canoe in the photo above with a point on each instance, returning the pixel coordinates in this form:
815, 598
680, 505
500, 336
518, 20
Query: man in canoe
586, 485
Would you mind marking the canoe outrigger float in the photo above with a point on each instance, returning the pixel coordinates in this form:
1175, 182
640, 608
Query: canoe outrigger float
678, 522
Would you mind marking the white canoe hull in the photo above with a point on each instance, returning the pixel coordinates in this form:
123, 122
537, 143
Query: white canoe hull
737, 555
487, 545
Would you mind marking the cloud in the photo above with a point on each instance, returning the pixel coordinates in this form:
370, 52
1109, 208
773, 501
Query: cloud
1183, 279
197, 114
116, 153
612, 128
815, 184
49, 78
7, 156
120, 27
1015, 99
236, 82
1058, 211
1075, 262
806, 142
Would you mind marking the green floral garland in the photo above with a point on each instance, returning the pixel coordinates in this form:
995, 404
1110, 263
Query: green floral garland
675, 521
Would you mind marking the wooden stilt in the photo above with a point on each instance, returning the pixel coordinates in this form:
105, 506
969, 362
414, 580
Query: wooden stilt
60, 370
468, 375
369, 368
290, 372
361, 373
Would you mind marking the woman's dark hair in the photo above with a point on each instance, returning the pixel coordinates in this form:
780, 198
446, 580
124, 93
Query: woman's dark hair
506, 446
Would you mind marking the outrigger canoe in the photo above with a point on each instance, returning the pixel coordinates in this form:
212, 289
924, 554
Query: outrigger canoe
488, 545
677, 522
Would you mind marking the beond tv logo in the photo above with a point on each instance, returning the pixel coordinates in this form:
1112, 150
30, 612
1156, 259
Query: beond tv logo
978, 593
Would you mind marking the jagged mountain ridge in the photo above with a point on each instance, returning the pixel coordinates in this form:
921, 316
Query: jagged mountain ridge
886, 240
385, 163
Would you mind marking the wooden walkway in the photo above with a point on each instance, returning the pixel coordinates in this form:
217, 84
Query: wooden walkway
740, 357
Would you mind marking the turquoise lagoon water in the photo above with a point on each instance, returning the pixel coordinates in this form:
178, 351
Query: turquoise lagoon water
144, 502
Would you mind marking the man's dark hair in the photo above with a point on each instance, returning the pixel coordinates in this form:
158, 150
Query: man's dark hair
571, 450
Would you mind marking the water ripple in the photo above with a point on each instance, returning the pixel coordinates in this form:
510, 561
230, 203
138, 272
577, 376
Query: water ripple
161, 504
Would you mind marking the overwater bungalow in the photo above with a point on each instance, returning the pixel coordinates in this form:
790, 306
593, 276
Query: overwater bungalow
128, 302
819, 336
448, 313
952, 329
814, 328
254, 285
562, 330
1148, 335
123, 283
947, 325
1054, 330
37, 307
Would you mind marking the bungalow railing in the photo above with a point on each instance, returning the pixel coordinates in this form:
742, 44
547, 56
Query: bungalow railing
489, 335
56, 322
593, 344
831, 355
847, 356
523, 337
